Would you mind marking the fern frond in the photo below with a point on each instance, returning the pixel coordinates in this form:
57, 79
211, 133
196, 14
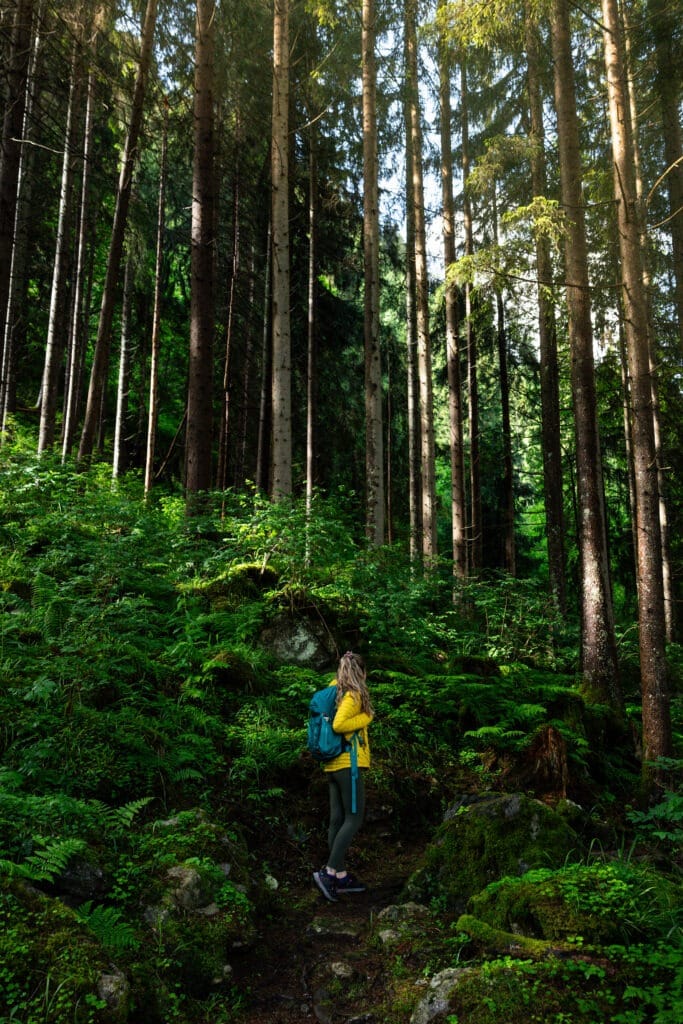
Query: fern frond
44, 865
108, 926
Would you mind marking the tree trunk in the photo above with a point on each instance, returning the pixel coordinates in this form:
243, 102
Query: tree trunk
13, 328
476, 521
424, 355
598, 642
265, 403
73, 382
550, 387
226, 394
100, 363
508, 476
57, 323
153, 407
664, 18
15, 106
412, 398
282, 355
458, 497
200, 377
311, 360
374, 440
657, 741
667, 571
122, 390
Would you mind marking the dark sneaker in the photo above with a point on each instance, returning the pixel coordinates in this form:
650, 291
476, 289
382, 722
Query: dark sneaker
327, 884
349, 883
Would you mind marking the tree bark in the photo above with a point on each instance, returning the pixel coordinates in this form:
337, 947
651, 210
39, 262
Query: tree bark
122, 390
15, 106
311, 332
664, 17
282, 355
656, 714
100, 363
453, 355
509, 556
73, 382
374, 440
57, 323
200, 378
598, 643
424, 355
412, 396
155, 347
476, 522
547, 334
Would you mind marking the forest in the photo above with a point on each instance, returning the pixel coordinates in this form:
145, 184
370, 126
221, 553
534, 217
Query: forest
335, 327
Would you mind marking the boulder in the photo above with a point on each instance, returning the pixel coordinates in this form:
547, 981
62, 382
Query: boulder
484, 839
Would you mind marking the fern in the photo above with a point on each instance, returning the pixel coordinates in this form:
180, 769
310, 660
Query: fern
108, 926
118, 819
45, 864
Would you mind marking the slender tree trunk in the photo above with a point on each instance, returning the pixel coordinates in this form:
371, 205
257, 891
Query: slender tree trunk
311, 361
412, 398
664, 17
153, 406
200, 378
14, 327
657, 740
122, 390
598, 642
282, 355
57, 323
550, 387
15, 106
476, 520
427, 454
667, 571
458, 496
374, 439
246, 410
224, 430
100, 363
508, 476
72, 386
265, 404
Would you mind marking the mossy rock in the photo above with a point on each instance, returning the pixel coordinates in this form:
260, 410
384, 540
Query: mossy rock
51, 964
484, 840
603, 903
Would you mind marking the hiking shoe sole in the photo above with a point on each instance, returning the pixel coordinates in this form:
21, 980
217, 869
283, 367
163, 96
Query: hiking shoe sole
328, 892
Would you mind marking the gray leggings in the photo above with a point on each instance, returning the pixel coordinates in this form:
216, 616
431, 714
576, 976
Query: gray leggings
343, 822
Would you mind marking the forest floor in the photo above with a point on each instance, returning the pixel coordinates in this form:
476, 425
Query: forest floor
319, 961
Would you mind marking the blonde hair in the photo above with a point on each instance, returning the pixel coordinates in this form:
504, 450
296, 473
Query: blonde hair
351, 678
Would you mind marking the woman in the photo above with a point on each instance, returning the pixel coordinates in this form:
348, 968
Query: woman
353, 716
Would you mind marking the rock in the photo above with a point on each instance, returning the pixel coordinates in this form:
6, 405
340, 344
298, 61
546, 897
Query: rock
114, 989
79, 882
188, 891
299, 641
333, 927
436, 1002
487, 839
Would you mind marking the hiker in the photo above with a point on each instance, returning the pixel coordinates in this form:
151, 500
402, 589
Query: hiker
353, 715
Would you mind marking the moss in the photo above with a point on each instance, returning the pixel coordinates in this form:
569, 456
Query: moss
50, 964
490, 838
495, 940
602, 903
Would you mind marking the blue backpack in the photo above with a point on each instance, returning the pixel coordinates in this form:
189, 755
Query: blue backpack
323, 742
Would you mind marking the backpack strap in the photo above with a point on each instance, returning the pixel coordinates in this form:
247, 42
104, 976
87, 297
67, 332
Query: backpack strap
354, 771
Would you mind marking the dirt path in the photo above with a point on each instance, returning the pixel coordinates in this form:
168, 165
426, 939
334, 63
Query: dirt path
313, 960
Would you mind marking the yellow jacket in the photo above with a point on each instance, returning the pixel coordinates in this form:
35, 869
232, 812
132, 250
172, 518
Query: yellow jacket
348, 719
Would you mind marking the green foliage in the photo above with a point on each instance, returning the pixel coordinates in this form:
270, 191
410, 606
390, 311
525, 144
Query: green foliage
109, 927
50, 858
